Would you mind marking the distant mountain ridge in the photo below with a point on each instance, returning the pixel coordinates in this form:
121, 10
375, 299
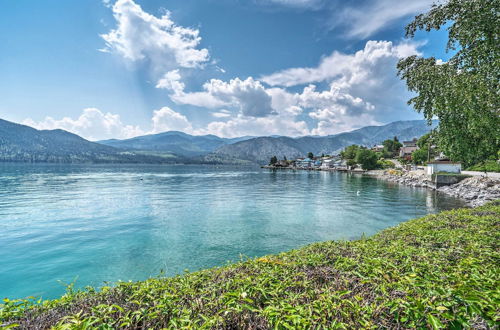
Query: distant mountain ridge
261, 149
178, 143
20, 143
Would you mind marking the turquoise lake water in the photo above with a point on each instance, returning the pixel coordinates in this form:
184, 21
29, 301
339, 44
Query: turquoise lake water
110, 223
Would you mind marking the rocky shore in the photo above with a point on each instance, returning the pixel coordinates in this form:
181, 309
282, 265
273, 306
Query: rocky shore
476, 190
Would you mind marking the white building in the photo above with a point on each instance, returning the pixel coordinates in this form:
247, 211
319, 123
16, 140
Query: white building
443, 166
327, 163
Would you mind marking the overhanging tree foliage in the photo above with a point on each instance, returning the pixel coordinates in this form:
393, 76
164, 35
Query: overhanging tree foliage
463, 92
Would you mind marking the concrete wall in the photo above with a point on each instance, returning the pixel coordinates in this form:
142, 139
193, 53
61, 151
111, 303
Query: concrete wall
446, 180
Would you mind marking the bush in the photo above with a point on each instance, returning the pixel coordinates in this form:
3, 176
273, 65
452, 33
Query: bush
385, 164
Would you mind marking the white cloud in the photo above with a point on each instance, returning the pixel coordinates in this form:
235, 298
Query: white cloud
361, 18
166, 119
263, 126
95, 125
140, 35
334, 124
171, 81
248, 95
92, 124
310, 4
362, 21
222, 114
351, 99
346, 67
361, 83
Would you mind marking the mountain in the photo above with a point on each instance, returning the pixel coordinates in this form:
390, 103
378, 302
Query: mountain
178, 143
261, 149
20, 143
25, 144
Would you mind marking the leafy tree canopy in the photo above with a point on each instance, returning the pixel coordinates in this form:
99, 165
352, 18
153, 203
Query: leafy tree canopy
349, 152
392, 146
463, 92
366, 158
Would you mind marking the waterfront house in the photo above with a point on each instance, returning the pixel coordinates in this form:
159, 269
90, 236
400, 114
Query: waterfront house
408, 148
378, 148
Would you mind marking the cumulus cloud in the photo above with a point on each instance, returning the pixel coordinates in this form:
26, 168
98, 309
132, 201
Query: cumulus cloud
248, 95
166, 119
362, 87
362, 82
92, 124
140, 35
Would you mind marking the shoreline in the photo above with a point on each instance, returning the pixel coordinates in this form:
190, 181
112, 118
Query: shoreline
475, 190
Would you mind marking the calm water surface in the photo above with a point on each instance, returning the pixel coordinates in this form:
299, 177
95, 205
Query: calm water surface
109, 223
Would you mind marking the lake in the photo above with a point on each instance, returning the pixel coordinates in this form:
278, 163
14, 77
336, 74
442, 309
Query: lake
91, 224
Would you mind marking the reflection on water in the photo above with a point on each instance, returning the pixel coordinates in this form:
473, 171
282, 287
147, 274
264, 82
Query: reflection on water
110, 223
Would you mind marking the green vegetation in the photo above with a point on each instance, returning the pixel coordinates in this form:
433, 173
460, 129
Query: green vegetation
349, 152
462, 92
440, 271
273, 160
366, 158
486, 166
391, 147
369, 159
310, 155
427, 148
385, 164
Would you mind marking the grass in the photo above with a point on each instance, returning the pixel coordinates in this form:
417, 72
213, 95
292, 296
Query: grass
439, 271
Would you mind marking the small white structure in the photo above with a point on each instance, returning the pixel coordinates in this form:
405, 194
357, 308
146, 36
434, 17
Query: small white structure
327, 164
443, 166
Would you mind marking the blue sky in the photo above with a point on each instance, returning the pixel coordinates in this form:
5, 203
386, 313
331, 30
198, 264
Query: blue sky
117, 69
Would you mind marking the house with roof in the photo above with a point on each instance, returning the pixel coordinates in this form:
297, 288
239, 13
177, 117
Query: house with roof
408, 148
378, 148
